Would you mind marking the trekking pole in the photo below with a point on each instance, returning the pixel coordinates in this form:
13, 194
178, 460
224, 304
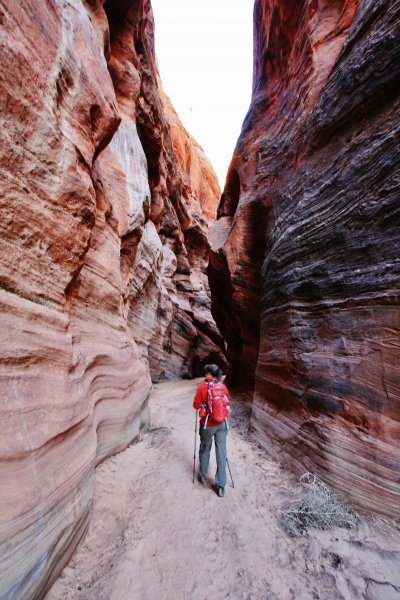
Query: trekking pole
195, 440
230, 472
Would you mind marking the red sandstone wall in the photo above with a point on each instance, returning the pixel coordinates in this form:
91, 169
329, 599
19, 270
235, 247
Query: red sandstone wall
307, 244
103, 252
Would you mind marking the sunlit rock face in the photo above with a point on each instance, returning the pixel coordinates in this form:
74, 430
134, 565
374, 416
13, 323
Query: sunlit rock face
307, 244
105, 206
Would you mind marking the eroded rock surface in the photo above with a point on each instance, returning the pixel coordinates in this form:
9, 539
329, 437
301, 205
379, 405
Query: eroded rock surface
305, 263
105, 206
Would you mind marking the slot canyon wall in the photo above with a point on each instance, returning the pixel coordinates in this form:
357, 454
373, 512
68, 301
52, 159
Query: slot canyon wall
105, 205
305, 267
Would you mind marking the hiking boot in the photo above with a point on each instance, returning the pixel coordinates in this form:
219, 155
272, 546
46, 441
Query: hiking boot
221, 492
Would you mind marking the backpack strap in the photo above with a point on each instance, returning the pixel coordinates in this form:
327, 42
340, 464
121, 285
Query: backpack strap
210, 385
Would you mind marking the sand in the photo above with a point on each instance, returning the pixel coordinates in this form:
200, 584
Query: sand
154, 535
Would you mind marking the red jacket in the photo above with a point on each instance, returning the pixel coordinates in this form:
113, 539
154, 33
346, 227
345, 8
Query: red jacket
201, 398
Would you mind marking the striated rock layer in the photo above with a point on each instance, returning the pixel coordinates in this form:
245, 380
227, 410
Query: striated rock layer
105, 206
305, 264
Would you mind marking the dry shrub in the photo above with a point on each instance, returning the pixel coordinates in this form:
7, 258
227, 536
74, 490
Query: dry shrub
317, 507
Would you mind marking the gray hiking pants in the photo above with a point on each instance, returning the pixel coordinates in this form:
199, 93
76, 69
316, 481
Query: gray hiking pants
219, 433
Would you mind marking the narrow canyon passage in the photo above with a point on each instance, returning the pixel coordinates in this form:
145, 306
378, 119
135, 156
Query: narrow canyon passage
153, 535
124, 266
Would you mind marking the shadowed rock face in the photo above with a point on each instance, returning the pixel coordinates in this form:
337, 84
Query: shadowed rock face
307, 243
106, 201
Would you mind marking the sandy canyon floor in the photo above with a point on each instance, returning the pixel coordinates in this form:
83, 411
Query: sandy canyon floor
154, 535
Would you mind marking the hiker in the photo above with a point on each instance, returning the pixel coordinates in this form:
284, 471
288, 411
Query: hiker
212, 400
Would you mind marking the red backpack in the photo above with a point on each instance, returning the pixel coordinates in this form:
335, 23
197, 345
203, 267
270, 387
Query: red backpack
217, 403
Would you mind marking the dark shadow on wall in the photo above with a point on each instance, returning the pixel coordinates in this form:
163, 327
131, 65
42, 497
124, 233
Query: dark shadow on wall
230, 197
236, 295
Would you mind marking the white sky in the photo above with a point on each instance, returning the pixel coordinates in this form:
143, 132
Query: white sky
205, 55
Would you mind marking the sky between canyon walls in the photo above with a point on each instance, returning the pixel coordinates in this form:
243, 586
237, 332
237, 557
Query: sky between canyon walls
205, 55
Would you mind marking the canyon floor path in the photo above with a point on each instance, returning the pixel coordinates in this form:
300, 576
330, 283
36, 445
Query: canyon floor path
153, 535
